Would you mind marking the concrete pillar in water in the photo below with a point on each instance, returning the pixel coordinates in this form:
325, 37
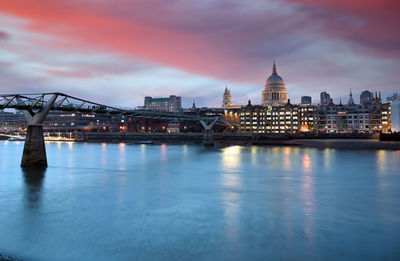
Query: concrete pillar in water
34, 150
208, 139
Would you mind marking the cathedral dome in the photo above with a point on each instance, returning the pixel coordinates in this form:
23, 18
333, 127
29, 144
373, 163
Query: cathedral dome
275, 80
275, 89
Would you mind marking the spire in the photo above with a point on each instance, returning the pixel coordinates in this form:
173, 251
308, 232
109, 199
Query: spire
274, 71
351, 101
380, 95
194, 105
226, 89
340, 103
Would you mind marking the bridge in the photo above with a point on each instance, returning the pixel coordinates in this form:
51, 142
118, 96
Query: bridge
36, 106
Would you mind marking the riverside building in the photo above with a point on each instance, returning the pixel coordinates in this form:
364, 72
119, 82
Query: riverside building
171, 104
354, 118
277, 115
286, 118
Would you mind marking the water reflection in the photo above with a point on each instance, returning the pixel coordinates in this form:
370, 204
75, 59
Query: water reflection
381, 156
306, 163
121, 157
231, 158
231, 183
163, 152
254, 155
287, 152
104, 153
328, 158
308, 198
70, 145
33, 178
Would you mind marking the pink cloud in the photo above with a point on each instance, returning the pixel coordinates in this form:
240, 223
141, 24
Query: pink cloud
70, 73
319, 44
372, 25
217, 40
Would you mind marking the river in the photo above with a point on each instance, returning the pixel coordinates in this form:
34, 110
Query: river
188, 202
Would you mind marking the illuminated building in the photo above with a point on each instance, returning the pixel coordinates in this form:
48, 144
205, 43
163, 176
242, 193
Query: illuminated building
10, 121
270, 118
173, 126
362, 118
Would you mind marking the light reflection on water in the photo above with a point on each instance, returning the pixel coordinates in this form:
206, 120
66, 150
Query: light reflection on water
169, 202
231, 158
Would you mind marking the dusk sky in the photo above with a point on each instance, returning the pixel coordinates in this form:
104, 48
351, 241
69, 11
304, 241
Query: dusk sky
116, 52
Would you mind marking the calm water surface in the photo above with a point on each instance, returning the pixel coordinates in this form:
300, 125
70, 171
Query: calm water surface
187, 202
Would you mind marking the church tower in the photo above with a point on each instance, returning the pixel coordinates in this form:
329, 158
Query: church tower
227, 100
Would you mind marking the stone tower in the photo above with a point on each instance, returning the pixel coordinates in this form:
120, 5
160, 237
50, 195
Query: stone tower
227, 100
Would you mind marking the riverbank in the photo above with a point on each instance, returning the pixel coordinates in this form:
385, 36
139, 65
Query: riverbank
348, 144
243, 137
333, 141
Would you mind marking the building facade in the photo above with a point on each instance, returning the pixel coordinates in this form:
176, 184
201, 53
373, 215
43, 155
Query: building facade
275, 91
353, 118
331, 118
270, 118
171, 104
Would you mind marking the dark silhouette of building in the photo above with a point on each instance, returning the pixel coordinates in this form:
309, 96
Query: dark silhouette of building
325, 98
306, 100
366, 97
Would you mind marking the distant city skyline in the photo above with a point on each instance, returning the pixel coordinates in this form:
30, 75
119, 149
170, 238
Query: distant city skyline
118, 52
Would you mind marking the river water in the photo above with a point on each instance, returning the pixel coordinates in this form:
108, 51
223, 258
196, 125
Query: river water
187, 202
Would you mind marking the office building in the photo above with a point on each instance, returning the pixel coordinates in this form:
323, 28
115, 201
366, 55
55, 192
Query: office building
306, 100
366, 97
325, 98
171, 104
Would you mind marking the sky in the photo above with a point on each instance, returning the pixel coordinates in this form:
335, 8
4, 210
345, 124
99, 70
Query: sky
118, 51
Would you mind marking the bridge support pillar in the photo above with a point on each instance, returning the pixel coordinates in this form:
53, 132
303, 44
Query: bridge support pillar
34, 154
208, 139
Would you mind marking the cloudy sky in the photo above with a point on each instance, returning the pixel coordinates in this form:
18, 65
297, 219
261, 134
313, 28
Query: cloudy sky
118, 51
